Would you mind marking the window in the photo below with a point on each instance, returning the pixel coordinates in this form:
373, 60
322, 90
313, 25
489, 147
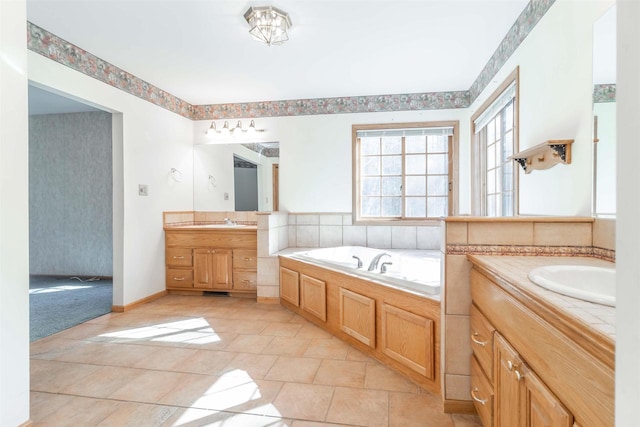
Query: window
403, 171
495, 140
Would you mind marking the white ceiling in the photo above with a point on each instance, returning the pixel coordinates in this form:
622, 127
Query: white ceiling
201, 51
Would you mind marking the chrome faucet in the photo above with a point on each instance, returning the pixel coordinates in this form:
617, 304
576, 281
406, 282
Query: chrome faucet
383, 267
229, 221
374, 262
359, 261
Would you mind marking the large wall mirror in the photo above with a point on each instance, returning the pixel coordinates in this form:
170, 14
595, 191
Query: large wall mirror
235, 176
604, 114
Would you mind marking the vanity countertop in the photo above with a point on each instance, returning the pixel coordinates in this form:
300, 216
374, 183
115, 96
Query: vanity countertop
586, 317
211, 227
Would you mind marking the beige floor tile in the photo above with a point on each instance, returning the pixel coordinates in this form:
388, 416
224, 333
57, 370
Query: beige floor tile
149, 387
310, 330
138, 414
167, 359
287, 346
103, 382
200, 418
249, 343
51, 348
418, 410
254, 365
52, 376
380, 377
462, 420
82, 331
300, 423
341, 373
281, 329
80, 411
237, 326
357, 356
213, 341
108, 354
327, 349
204, 362
294, 369
277, 316
304, 401
359, 407
42, 405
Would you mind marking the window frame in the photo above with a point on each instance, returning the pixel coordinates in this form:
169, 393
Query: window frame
452, 172
478, 160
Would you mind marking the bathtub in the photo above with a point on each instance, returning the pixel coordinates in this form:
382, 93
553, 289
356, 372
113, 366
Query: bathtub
412, 270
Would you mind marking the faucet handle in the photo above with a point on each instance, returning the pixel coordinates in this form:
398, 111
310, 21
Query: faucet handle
383, 267
359, 261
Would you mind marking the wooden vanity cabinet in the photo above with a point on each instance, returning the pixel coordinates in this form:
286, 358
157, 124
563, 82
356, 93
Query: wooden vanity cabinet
199, 260
514, 394
212, 269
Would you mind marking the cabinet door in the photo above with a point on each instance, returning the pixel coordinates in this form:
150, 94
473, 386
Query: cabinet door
212, 269
289, 287
358, 316
508, 386
540, 407
202, 269
222, 264
314, 296
408, 338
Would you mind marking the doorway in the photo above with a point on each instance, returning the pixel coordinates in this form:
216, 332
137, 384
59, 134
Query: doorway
70, 212
245, 175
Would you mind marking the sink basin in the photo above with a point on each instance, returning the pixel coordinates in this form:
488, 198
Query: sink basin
594, 284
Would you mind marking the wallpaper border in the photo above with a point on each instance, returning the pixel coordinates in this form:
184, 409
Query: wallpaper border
57, 49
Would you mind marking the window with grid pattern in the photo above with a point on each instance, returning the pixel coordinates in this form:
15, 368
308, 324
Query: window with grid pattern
402, 173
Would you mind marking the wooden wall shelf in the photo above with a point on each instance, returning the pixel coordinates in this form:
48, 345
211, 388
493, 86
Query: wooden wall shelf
545, 155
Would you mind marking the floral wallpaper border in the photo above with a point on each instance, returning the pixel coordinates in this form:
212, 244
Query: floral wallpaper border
604, 93
532, 13
57, 49
53, 47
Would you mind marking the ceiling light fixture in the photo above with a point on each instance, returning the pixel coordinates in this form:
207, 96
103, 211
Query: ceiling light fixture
269, 25
237, 129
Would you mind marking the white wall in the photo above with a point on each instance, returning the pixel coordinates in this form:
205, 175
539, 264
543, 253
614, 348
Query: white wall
154, 140
315, 155
14, 214
556, 103
606, 158
628, 213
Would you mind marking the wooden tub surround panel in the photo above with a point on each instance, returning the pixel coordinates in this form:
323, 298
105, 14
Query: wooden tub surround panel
548, 369
400, 329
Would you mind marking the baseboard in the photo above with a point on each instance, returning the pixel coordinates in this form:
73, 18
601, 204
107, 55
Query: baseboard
458, 406
269, 300
123, 308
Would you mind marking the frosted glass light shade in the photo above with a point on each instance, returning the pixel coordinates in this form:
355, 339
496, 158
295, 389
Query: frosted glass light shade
269, 25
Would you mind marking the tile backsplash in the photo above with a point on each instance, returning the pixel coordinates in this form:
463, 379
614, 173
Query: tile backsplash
319, 230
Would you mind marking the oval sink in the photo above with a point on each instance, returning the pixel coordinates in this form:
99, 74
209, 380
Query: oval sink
594, 284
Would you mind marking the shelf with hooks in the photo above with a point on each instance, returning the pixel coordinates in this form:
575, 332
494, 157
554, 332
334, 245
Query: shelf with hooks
544, 155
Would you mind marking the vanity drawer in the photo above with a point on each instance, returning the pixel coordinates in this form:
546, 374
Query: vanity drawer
179, 257
245, 259
177, 278
481, 393
482, 340
245, 280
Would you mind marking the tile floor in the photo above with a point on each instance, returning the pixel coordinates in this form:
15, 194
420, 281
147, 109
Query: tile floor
216, 361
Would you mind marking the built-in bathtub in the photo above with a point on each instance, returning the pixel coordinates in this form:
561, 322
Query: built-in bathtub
416, 271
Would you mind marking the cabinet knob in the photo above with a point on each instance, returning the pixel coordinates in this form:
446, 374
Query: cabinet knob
247, 259
178, 279
178, 257
519, 376
476, 340
246, 281
476, 398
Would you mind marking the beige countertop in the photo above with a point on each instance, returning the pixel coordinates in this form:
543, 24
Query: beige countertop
211, 227
578, 313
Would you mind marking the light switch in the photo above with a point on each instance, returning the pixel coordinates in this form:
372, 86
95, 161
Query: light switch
226, 196
143, 190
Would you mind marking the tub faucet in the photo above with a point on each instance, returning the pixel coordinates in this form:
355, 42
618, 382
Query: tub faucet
383, 267
229, 221
359, 261
374, 262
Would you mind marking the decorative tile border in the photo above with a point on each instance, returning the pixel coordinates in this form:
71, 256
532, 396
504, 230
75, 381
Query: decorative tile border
604, 93
53, 47
341, 105
527, 20
507, 250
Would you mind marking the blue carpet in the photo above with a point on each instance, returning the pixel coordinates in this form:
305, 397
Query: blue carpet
56, 304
